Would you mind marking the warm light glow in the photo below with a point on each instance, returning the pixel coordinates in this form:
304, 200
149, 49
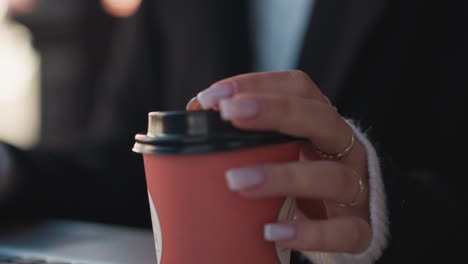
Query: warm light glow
19, 85
121, 8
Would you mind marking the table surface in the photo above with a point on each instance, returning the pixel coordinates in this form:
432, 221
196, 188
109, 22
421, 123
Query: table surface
81, 242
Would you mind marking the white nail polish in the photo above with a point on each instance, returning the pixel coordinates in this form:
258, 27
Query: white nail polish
212, 95
190, 102
275, 232
238, 179
238, 108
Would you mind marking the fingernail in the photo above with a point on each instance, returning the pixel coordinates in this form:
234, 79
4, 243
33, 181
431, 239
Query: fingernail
212, 95
238, 108
275, 232
238, 179
191, 103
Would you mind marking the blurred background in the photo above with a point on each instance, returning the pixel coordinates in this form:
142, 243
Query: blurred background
51, 54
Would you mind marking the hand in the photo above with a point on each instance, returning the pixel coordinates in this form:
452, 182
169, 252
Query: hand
289, 102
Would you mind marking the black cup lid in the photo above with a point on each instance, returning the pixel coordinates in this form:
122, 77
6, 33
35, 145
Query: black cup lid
184, 132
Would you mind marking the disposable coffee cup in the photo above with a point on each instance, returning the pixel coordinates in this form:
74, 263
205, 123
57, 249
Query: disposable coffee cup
196, 218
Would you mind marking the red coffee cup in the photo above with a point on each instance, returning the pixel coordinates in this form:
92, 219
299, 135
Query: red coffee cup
196, 218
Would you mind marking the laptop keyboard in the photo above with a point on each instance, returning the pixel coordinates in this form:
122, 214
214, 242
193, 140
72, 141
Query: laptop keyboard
23, 260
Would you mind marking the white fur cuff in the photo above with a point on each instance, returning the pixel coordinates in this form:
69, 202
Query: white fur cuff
378, 214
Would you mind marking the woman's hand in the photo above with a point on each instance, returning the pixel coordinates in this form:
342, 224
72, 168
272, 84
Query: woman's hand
289, 102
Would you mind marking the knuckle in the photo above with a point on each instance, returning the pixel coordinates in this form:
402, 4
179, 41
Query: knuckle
294, 179
318, 241
244, 83
314, 239
331, 120
359, 235
290, 177
285, 104
334, 117
305, 84
299, 75
344, 183
283, 109
301, 81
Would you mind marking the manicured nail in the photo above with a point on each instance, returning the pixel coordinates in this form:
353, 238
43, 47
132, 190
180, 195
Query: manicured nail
191, 103
211, 96
238, 108
238, 179
275, 232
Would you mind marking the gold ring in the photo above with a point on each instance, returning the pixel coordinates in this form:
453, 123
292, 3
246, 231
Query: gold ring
356, 197
340, 155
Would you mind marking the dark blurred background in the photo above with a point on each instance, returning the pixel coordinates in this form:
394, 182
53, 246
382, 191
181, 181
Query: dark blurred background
65, 45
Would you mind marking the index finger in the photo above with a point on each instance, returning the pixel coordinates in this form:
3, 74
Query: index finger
289, 82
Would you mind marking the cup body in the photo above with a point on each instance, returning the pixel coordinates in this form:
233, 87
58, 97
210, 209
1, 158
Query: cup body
197, 219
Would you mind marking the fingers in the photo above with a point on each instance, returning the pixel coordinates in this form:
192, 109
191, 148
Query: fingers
347, 234
283, 101
290, 82
325, 180
289, 102
193, 104
290, 115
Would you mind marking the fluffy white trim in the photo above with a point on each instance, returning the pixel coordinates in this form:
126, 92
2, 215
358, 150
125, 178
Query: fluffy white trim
378, 214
